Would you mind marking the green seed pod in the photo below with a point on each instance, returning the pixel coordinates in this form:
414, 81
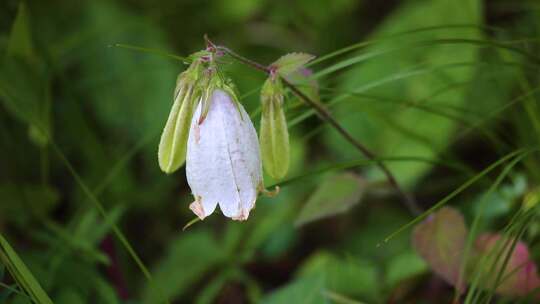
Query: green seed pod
274, 136
173, 143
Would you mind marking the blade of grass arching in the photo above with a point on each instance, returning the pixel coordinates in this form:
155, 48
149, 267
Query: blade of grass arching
14, 290
417, 105
121, 163
109, 177
494, 114
530, 105
423, 44
21, 274
116, 168
499, 279
493, 257
387, 80
123, 240
150, 51
83, 37
421, 103
475, 293
397, 77
365, 162
478, 217
44, 151
510, 226
364, 57
454, 193
450, 162
533, 122
397, 35
361, 58
501, 45
420, 69
492, 136
90, 195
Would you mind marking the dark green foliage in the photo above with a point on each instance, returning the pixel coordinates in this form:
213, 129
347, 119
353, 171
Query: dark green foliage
444, 92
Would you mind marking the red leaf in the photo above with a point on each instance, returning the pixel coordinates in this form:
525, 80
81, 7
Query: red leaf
520, 275
440, 241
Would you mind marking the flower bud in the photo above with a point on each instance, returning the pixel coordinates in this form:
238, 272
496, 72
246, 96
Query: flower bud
172, 146
223, 163
274, 136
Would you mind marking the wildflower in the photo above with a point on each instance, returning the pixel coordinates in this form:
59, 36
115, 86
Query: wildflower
223, 163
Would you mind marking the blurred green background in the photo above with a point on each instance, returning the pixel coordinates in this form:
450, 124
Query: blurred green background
441, 89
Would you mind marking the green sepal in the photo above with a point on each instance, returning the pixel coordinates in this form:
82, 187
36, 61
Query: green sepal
211, 82
230, 88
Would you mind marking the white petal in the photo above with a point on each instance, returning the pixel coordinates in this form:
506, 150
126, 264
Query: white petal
223, 163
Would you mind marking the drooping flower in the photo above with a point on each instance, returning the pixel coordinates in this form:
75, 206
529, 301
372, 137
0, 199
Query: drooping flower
223, 165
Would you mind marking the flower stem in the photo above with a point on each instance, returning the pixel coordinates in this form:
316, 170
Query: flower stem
409, 200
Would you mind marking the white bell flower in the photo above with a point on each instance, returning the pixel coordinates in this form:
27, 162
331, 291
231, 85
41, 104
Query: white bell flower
223, 163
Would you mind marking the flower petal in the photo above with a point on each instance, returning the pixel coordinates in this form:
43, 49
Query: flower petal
223, 159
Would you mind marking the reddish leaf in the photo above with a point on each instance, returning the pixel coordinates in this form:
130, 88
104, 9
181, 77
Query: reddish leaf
440, 241
520, 275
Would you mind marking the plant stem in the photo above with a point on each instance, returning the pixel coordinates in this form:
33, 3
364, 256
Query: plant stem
409, 200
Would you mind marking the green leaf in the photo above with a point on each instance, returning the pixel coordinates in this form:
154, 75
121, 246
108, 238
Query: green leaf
69, 296
303, 79
25, 201
187, 260
132, 97
440, 240
25, 92
24, 83
397, 129
404, 266
106, 292
352, 276
270, 220
306, 290
500, 200
336, 194
20, 39
21, 274
291, 62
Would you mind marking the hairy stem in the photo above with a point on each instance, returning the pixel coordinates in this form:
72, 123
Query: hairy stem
409, 200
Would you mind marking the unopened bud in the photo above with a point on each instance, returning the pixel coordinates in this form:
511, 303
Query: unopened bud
274, 136
173, 143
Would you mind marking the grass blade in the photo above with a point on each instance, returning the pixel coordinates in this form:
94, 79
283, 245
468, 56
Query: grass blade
21, 274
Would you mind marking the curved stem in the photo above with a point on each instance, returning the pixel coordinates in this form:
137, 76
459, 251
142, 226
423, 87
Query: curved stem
409, 200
